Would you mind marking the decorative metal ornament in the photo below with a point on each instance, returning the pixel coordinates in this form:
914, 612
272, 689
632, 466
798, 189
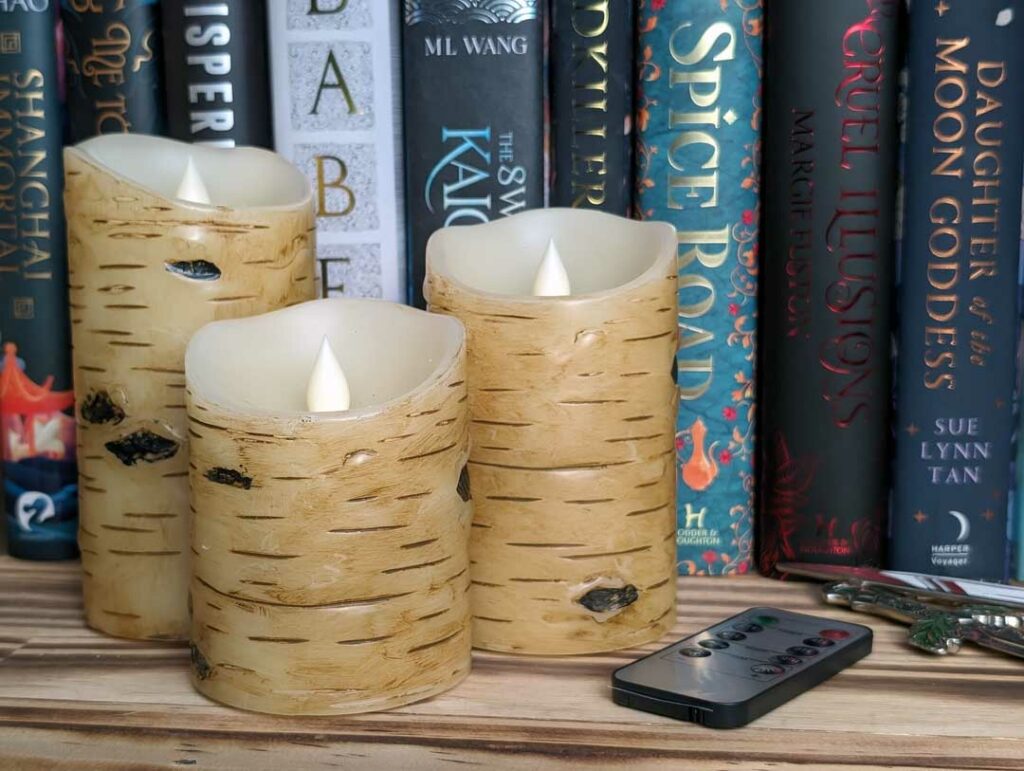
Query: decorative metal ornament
933, 628
943, 613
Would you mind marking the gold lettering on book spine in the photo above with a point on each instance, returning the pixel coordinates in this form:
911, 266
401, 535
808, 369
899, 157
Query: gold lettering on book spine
694, 118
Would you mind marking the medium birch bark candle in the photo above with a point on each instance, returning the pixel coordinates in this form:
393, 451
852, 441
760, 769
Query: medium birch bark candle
147, 269
330, 548
572, 405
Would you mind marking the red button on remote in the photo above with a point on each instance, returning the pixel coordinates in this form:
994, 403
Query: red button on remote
834, 634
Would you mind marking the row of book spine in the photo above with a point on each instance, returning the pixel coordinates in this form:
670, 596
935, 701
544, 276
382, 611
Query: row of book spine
859, 461
320, 81
316, 80
195, 71
830, 434
416, 114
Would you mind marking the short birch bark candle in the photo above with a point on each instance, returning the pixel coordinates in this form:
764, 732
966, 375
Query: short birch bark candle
330, 569
147, 269
572, 405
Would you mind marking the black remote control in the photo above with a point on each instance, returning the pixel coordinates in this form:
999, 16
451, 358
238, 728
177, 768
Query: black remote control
739, 669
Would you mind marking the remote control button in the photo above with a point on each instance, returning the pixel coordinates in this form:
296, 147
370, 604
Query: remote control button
748, 628
818, 642
715, 645
834, 634
732, 636
767, 669
694, 653
766, 620
802, 650
787, 661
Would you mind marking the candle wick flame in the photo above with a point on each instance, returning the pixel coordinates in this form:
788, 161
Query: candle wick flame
551, 280
192, 188
327, 390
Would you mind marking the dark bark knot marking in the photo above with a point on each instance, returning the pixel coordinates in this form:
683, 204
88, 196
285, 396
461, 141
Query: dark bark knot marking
608, 600
463, 486
675, 370
228, 476
200, 665
197, 270
98, 408
144, 446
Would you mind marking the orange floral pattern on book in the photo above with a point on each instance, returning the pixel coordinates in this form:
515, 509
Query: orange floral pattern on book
715, 438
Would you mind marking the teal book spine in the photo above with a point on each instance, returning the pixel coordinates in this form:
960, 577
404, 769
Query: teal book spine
698, 156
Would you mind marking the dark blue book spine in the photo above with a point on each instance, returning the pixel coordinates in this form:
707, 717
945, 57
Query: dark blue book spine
958, 291
114, 67
36, 401
473, 96
216, 72
592, 66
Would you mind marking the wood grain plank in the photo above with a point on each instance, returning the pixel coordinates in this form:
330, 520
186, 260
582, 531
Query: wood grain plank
72, 698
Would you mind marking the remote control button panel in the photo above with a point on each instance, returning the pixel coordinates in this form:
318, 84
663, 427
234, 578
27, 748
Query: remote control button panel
739, 658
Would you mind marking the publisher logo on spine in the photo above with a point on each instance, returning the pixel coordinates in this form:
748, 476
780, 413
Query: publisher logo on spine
693, 531
954, 555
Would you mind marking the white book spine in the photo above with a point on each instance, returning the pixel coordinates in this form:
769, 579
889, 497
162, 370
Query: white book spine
336, 81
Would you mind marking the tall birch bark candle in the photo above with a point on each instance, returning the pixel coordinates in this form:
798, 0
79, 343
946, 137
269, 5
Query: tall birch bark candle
330, 569
572, 406
147, 269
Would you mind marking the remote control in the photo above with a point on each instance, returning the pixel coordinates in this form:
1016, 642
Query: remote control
739, 669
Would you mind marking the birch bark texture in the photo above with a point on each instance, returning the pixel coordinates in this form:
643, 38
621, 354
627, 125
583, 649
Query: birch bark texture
331, 564
146, 271
572, 411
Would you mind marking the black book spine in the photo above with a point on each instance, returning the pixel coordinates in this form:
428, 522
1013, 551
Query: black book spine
114, 76
37, 426
830, 126
473, 91
216, 71
958, 290
592, 74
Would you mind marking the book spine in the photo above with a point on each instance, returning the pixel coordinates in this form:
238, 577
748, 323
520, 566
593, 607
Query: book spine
335, 84
473, 80
114, 68
216, 72
958, 289
591, 75
37, 426
1017, 498
831, 72
698, 152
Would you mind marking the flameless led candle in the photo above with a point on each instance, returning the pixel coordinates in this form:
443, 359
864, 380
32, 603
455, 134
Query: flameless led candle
163, 237
551, 280
327, 390
330, 568
572, 405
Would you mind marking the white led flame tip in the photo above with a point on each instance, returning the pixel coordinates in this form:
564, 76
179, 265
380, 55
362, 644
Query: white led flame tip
192, 188
552, 279
328, 389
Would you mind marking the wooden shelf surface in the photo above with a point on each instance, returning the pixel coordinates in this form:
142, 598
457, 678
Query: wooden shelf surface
71, 698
